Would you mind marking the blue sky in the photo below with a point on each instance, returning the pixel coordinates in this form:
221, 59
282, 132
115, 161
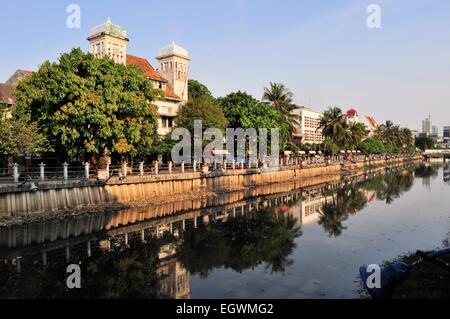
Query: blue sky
322, 50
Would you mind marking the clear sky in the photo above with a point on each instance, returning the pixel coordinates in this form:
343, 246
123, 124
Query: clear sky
321, 49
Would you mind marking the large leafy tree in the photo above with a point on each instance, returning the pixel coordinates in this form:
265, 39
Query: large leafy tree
84, 105
198, 90
242, 110
424, 142
203, 109
372, 146
19, 136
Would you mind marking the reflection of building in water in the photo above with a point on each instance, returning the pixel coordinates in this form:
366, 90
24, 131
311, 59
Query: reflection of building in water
309, 207
175, 279
447, 173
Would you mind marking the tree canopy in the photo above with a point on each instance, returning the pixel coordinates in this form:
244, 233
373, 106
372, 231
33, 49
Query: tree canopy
282, 100
388, 137
394, 137
424, 142
333, 125
242, 110
198, 90
19, 137
84, 105
203, 109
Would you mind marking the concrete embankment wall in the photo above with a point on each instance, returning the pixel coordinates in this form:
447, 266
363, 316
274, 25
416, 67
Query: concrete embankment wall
75, 195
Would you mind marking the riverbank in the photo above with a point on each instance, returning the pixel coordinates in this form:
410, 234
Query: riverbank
54, 197
427, 281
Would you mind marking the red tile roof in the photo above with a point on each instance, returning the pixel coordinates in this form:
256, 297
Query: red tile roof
170, 94
152, 74
148, 69
372, 121
352, 112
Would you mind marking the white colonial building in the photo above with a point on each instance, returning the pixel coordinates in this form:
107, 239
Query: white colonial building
172, 77
369, 121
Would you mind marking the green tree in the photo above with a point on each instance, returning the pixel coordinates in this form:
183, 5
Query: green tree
203, 109
372, 146
242, 110
197, 90
84, 105
394, 137
424, 142
358, 132
282, 99
19, 136
334, 126
407, 138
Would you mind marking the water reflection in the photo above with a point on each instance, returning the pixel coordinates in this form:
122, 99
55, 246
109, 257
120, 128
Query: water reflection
447, 173
241, 243
153, 252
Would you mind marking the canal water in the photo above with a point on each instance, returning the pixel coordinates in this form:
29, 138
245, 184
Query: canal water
306, 243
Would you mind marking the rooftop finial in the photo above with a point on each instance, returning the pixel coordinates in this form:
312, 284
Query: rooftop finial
109, 20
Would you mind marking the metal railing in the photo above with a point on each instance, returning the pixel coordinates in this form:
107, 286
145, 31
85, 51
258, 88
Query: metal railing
66, 172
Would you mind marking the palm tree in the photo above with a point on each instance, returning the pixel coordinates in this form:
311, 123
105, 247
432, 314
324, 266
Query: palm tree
282, 99
333, 125
389, 133
407, 137
358, 132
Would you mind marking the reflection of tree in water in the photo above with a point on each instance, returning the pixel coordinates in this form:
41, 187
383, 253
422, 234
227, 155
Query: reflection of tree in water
347, 200
390, 186
352, 198
128, 273
425, 171
240, 243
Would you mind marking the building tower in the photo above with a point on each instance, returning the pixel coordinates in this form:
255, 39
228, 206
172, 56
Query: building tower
174, 67
426, 126
108, 39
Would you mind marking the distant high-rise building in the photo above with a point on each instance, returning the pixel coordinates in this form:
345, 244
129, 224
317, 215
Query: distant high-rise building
434, 130
426, 126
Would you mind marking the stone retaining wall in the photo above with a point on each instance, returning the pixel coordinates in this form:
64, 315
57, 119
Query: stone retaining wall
75, 195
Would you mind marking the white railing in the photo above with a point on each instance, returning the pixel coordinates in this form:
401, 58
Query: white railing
65, 172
